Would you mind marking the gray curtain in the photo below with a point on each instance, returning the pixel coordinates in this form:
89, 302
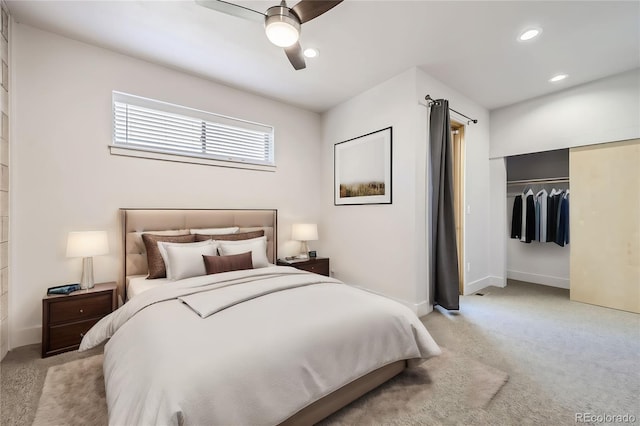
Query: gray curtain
444, 254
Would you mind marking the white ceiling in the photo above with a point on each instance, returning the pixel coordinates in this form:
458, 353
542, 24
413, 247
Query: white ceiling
470, 46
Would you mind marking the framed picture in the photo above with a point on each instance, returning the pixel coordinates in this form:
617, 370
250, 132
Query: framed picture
362, 169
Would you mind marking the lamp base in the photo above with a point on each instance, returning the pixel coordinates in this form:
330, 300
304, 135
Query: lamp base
86, 282
304, 251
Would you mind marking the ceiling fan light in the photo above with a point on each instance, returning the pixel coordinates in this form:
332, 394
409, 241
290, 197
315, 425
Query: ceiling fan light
282, 34
282, 28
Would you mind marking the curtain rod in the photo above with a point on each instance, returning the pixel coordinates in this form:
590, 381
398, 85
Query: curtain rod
428, 98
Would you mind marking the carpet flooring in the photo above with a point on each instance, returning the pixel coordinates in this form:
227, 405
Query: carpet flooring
404, 395
563, 358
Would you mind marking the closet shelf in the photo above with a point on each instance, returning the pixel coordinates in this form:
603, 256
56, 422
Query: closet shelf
545, 180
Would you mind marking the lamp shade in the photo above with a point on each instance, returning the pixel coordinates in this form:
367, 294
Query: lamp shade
304, 232
87, 244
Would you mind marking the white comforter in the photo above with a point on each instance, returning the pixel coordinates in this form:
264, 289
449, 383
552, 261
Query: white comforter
247, 347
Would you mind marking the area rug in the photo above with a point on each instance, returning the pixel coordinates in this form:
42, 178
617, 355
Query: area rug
73, 394
450, 389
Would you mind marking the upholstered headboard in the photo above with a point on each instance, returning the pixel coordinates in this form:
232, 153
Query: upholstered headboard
137, 221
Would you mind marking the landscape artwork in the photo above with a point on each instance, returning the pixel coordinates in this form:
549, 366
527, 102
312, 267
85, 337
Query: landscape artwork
362, 169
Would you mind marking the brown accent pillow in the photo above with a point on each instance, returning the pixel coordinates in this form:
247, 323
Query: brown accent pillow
155, 263
233, 262
231, 237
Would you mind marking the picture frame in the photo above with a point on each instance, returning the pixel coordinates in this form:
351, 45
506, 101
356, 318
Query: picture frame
362, 169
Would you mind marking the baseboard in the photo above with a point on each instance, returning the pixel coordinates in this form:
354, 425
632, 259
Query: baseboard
25, 336
498, 281
423, 308
477, 285
539, 279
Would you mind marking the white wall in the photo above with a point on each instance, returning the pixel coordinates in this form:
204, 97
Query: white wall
384, 247
499, 231
372, 246
476, 177
601, 111
605, 110
63, 177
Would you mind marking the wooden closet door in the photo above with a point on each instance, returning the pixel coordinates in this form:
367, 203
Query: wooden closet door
605, 225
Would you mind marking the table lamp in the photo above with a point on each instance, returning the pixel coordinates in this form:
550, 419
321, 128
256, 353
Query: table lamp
86, 245
304, 232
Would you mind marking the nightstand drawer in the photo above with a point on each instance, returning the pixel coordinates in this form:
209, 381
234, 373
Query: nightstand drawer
80, 308
317, 265
64, 336
321, 268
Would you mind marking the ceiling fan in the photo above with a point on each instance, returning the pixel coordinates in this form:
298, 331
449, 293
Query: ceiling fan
282, 24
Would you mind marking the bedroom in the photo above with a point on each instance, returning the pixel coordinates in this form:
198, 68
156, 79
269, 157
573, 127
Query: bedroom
63, 178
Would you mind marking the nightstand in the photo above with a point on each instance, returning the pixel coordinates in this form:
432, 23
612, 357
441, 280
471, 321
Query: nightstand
317, 265
66, 318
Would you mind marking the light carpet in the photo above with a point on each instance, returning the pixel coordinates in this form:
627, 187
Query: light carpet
73, 393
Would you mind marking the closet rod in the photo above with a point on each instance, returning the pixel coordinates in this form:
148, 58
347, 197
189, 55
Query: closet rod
545, 180
428, 98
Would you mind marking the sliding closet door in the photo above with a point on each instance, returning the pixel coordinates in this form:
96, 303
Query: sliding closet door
605, 225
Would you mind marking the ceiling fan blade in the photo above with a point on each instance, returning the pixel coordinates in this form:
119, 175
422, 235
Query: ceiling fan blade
294, 53
233, 9
309, 9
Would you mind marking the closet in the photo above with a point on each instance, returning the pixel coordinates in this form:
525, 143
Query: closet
600, 260
538, 249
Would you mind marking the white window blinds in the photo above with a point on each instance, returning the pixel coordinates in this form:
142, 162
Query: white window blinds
148, 125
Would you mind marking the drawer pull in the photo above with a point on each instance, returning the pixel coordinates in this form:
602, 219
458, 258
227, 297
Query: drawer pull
81, 310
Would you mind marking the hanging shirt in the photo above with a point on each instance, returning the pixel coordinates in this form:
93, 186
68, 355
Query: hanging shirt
531, 218
550, 221
541, 203
562, 236
566, 225
516, 218
536, 237
554, 214
525, 212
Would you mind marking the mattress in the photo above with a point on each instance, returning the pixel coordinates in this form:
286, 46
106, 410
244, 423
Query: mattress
137, 284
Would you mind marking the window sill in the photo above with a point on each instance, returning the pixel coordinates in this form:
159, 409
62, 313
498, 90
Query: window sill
152, 155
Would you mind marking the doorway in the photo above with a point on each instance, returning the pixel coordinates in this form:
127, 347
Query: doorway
457, 139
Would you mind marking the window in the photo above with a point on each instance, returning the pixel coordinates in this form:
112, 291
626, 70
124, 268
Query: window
154, 127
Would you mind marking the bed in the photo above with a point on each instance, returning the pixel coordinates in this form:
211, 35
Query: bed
270, 345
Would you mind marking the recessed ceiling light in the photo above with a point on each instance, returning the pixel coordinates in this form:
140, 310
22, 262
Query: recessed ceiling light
311, 52
558, 77
529, 34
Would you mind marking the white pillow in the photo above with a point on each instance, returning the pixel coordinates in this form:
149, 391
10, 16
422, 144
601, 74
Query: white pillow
184, 260
257, 247
215, 231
